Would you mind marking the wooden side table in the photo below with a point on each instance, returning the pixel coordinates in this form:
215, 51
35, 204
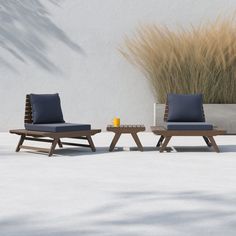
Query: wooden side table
126, 129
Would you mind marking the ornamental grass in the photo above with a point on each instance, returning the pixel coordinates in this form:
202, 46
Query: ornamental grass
201, 59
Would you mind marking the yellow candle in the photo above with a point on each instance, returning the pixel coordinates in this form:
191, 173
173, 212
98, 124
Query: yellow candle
116, 122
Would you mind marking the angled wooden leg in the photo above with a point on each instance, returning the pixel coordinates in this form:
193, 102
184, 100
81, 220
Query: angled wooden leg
165, 143
22, 138
60, 144
213, 143
160, 141
114, 141
90, 141
137, 141
54, 144
208, 143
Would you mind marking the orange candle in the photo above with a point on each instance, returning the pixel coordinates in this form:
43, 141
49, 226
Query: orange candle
116, 122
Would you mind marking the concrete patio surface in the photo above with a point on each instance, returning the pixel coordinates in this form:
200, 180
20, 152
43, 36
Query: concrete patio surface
189, 191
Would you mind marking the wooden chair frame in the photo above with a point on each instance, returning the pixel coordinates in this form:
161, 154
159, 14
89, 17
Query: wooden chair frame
50, 137
166, 135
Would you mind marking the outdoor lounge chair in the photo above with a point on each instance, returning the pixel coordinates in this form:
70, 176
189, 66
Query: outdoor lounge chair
184, 116
44, 123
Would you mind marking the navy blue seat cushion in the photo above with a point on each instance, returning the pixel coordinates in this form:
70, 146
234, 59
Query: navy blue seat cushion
46, 108
188, 126
185, 108
57, 127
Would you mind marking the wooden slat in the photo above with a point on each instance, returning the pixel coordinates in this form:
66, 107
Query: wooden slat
39, 140
126, 128
39, 149
75, 144
159, 130
81, 138
72, 134
166, 112
28, 110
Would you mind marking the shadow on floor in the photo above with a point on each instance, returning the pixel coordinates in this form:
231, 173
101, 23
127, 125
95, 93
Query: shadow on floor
80, 152
223, 148
227, 148
197, 213
220, 216
99, 150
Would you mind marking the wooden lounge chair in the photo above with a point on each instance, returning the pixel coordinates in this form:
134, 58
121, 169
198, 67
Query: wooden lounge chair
166, 134
50, 137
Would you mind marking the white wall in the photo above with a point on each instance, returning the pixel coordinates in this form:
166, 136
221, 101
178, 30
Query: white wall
70, 47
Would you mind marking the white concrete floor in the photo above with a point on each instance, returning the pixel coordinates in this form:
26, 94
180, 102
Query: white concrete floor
190, 191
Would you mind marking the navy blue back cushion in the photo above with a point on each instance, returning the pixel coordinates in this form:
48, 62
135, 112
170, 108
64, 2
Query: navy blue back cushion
185, 108
46, 108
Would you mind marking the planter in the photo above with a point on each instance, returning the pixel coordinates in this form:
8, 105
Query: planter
221, 115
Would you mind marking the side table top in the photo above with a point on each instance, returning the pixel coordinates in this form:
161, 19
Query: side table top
126, 128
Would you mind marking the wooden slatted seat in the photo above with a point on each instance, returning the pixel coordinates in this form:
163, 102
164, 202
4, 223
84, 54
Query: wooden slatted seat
166, 135
50, 137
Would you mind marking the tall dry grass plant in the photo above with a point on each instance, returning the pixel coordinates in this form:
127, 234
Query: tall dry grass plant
199, 60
